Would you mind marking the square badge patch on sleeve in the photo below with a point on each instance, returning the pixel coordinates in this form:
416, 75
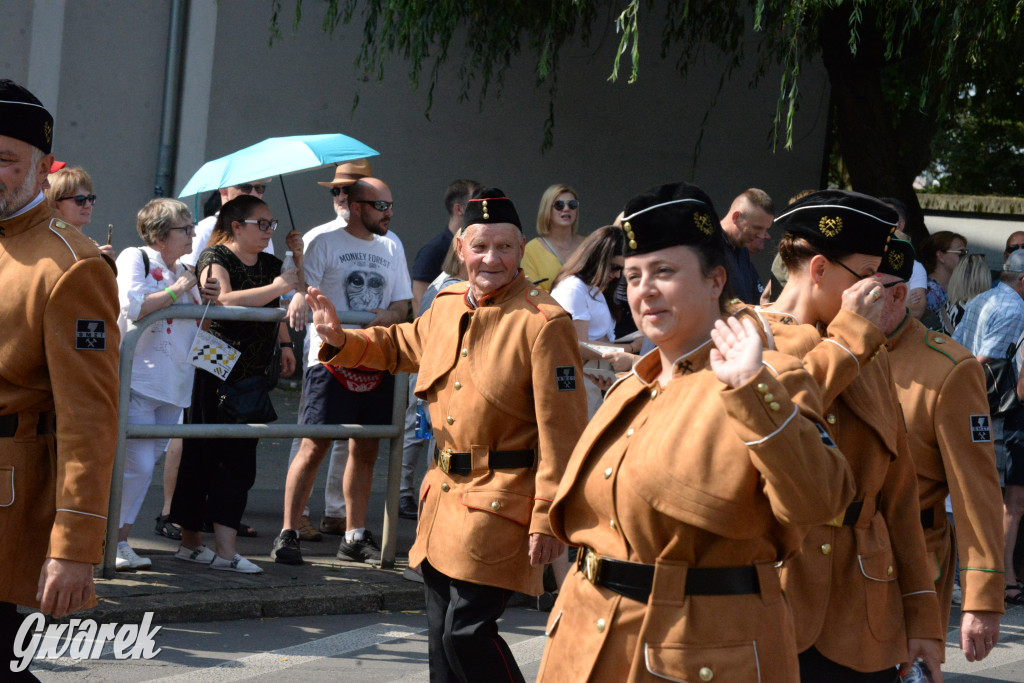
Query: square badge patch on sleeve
566, 377
90, 335
980, 428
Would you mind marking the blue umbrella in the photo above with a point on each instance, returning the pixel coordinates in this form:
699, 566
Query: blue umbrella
276, 157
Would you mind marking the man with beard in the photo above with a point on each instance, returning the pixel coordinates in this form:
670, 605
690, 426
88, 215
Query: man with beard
58, 368
359, 269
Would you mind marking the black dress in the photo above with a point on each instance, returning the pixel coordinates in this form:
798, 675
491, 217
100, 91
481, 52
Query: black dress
215, 475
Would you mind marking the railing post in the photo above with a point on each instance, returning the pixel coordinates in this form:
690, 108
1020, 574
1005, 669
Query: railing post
389, 541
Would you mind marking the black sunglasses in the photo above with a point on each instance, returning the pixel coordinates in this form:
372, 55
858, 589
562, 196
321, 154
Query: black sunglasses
249, 188
81, 199
335, 191
893, 284
1013, 247
572, 204
378, 204
848, 269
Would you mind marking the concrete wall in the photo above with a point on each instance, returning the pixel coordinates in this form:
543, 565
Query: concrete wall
611, 140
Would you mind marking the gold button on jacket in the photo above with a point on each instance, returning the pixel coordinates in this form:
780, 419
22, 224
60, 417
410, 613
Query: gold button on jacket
691, 492
848, 604
941, 387
516, 358
54, 488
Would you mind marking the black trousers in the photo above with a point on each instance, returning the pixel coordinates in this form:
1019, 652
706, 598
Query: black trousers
463, 641
10, 622
816, 668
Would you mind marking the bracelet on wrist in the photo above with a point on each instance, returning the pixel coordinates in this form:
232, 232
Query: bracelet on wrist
174, 297
285, 345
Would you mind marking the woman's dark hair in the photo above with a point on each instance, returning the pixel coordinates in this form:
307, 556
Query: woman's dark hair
939, 241
238, 209
795, 251
592, 262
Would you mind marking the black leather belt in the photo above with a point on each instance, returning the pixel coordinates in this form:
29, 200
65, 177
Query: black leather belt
851, 515
634, 580
462, 463
928, 517
9, 424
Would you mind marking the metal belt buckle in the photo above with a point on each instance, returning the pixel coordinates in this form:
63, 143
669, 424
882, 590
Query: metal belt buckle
838, 521
592, 566
444, 460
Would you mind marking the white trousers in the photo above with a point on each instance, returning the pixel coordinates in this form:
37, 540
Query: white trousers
142, 454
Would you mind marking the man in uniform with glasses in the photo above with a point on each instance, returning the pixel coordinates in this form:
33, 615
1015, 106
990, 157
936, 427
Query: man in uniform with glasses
358, 269
204, 228
941, 388
58, 385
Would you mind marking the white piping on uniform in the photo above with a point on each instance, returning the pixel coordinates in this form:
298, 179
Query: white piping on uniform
64, 241
852, 355
907, 595
769, 366
781, 427
658, 206
79, 512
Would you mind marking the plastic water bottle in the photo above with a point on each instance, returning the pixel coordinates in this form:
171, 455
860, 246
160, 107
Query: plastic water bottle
915, 675
423, 427
287, 264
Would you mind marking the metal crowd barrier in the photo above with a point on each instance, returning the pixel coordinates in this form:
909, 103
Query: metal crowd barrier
394, 432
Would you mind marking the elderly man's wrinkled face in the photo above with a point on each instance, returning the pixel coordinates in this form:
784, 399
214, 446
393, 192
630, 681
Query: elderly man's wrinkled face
21, 176
492, 253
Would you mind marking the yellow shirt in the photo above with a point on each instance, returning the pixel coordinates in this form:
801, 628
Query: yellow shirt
540, 264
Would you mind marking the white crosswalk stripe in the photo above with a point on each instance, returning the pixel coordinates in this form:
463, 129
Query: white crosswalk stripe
286, 658
525, 652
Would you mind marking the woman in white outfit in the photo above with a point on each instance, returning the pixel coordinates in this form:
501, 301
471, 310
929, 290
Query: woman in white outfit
151, 278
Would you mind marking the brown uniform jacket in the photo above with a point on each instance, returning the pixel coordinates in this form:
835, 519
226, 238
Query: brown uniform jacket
859, 591
942, 389
693, 474
58, 353
503, 376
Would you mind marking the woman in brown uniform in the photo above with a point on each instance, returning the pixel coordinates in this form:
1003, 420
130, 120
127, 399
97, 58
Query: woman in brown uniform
862, 589
692, 480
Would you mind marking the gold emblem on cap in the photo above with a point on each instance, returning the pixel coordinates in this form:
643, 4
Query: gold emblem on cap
896, 260
703, 223
483, 205
830, 227
48, 131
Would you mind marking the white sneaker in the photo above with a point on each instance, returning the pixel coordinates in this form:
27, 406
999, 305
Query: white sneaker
128, 559
235, 564
201, 555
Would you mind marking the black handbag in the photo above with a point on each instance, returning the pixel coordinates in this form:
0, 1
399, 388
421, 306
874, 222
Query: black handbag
246, 401
1001, 383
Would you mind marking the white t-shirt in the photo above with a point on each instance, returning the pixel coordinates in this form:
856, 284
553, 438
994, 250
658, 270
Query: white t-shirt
160, 370
919, 278
339, 222
586, 303
355, 274
204, 229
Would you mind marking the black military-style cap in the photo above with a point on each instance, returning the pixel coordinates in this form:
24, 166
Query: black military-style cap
667, 216
490, 205
843, 220
898, 260
23, 117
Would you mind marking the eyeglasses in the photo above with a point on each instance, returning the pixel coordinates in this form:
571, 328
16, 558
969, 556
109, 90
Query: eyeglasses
847, 269
573, 204
249, 188
335, 191
189, 229
893, 283
80, 199
263, 224
962, 252
1010, 248
378, 204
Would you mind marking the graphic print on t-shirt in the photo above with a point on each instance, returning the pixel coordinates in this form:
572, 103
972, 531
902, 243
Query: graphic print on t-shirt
366, 280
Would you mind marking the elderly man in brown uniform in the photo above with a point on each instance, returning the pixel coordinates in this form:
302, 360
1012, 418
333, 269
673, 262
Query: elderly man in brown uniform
499, 365
941, 387
58, 384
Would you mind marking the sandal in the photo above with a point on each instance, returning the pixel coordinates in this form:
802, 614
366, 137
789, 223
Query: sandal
246, 531
167, 529
1018, 597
